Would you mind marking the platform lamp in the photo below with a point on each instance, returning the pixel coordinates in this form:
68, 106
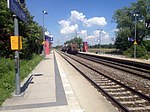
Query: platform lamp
44, 12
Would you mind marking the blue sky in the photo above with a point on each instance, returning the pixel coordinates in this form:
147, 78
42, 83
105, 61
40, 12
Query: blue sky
67, 18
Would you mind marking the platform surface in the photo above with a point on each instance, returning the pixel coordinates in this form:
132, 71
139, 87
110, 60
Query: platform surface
55, 86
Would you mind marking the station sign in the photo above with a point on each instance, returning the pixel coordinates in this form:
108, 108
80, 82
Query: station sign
49, 38
22, 1
15, 7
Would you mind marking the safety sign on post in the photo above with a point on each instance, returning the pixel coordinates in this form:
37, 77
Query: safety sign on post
135, 43
16, 42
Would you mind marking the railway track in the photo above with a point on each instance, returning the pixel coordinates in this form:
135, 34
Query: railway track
126, 98
141, 72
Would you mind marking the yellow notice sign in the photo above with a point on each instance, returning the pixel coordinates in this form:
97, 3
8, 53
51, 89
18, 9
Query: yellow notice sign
16, 42
135, 43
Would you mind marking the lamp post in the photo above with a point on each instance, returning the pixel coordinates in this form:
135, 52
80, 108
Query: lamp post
100, 33
135, 35
44, 12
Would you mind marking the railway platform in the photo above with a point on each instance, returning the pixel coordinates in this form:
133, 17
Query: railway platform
54, 86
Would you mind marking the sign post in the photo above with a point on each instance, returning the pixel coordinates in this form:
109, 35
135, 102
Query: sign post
15, 7
17, 59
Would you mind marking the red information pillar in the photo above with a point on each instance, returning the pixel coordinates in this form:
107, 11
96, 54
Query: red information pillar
47, 50
85, 46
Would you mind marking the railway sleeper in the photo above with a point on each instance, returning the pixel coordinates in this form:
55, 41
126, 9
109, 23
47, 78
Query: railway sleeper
137, 104
104, 83
103, 79
116, 90
120, 93
145, 103
108, 86
140, 109
97, 78
127, 97
134, 108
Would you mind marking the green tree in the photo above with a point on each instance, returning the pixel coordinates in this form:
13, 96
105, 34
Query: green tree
6, 29
125, 20
31, 32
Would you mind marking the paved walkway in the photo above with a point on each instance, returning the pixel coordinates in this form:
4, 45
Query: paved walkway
44, 88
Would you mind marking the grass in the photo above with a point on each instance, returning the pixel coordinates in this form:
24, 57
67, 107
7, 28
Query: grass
7, 74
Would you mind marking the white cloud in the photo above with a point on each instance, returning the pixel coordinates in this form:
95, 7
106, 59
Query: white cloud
90, 37
80, 17
67, 28
115, 30
103, 34
96, 33
100, 21
77, 19
64, 23
83, 32
77, 16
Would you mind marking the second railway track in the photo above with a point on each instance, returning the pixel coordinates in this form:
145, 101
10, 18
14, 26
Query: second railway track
119, 90
141, 72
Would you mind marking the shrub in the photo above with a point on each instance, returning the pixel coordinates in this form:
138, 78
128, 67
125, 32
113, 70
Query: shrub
141, 52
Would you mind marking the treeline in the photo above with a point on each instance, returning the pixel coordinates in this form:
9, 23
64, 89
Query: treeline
31, 32
109, 46
77, 40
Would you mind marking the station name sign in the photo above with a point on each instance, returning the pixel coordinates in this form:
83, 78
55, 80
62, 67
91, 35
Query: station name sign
49, 37
15, 7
